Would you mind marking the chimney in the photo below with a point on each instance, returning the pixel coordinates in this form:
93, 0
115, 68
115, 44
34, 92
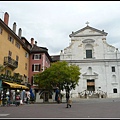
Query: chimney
14, 27
6, 18
36, 43
19, 32
32, 41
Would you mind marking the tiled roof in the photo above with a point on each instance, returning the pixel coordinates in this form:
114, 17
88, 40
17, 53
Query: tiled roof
55, 58
38, 49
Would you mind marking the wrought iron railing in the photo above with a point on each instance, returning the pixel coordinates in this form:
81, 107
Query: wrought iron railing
10, 62
7, 78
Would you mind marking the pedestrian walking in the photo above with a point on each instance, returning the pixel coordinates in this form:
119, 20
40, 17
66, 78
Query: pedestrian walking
17, 100
8, 100
57, 96
68, 100
58, 99
28, 97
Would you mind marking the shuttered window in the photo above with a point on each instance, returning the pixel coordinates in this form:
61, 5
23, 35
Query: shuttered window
36, 56
11, 39
36, 67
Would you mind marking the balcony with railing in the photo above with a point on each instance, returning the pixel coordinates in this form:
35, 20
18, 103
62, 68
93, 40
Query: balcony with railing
10, 62
8, 78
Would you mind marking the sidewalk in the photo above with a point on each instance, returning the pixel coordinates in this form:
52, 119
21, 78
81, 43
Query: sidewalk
75, 100
82, 100
96, 100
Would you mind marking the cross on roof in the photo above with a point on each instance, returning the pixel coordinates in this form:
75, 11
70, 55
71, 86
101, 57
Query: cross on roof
87, 23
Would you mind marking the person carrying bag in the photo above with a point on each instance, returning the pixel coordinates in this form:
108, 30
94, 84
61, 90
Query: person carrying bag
68, 100
58, 99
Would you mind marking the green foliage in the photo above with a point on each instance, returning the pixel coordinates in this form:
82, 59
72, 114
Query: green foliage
60, 74
2, 68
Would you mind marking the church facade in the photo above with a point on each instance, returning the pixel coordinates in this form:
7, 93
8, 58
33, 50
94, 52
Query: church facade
99, 64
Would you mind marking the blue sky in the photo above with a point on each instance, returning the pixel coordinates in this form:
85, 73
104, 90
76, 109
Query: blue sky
51, 22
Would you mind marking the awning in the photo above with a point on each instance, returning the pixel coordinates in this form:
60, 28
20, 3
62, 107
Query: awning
24, 87
15, 85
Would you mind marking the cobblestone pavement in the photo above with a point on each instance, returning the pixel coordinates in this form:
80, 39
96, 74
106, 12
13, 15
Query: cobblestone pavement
81, 109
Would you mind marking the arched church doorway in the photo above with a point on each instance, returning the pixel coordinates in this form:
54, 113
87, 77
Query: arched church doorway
46, 95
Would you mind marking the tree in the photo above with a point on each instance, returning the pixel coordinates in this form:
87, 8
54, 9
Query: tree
60, 74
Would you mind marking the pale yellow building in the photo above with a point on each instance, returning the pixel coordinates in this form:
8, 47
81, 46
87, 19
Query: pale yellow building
14, 51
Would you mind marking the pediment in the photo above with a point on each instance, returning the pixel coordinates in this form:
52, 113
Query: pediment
90, 76
93, 74
88, 31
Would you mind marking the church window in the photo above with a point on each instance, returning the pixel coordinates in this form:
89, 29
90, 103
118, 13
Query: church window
113, 69
88, 53
114, 90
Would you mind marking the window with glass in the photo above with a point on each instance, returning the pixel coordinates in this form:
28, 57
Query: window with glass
17, 45
88, 53
26, 54
9, 53
11, 39
37, 56
113, 69
17, 58
114, 90
36, 67
8, 72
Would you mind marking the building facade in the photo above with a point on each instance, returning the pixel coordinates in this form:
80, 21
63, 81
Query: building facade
99, 64
20, 60
15, 52
14, 58
39, 61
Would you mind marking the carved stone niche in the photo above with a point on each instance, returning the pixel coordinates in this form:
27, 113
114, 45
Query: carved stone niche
88, 41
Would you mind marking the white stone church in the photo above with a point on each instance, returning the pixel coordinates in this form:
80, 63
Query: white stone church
99, 64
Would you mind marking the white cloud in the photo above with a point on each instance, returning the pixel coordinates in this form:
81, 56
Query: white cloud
51, 22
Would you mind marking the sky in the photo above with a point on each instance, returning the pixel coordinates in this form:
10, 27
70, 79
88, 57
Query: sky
51, 22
